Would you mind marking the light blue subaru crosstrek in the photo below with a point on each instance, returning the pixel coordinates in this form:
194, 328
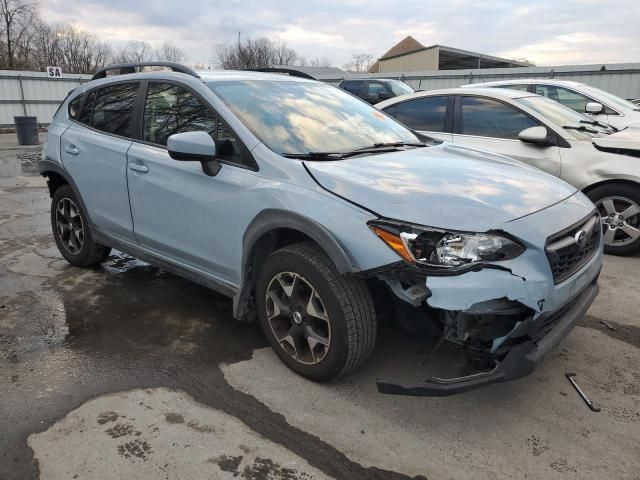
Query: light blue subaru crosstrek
318, 214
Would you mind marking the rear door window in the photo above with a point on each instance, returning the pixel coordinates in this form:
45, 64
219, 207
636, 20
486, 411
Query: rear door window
113, 110
516, 86
427, 114
485, 117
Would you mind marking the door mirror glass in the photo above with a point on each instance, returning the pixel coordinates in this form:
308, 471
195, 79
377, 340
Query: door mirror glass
194, 147
537, 135
594, 108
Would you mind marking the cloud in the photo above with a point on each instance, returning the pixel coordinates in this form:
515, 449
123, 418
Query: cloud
547, 32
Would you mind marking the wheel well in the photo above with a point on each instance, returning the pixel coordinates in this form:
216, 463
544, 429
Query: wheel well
269, 242
272, 241
54, 181
589, 188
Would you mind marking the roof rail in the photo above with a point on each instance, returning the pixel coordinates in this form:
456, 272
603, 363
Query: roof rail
131, 68
290, 71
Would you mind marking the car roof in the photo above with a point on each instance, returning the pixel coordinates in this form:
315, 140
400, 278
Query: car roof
503, 93
520, 81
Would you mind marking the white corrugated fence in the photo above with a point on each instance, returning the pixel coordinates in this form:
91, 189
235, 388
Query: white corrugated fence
33, 94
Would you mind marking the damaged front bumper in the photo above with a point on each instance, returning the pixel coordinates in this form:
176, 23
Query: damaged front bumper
549, 328
507, 319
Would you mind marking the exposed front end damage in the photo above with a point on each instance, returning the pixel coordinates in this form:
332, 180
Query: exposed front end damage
506, 319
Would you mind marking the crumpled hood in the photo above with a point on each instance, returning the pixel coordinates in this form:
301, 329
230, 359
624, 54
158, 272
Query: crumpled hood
627, 139
446, 186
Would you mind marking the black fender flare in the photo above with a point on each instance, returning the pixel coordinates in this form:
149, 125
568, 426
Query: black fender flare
273, 219
47, 166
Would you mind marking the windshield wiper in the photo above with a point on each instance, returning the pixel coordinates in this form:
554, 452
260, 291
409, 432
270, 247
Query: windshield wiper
599, 124
375, 148
391, 145
315, 155
580, 128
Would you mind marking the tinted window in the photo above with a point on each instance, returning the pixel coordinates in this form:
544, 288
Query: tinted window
113, 108
87, 110
74, 107
423, 113
488, 118
353, 86
569, 98
171, 109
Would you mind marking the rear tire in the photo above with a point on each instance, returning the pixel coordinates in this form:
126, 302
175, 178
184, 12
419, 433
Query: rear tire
71, 231
321, 324
619, 206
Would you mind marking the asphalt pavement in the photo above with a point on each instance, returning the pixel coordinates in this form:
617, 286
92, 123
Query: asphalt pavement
126, 371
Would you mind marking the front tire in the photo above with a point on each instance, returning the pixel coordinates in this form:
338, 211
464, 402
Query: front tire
71, 231
321, 324
619, 207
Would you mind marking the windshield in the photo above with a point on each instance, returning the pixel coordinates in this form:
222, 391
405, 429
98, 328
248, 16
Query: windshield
293, 117
563, 116
399, 88
610, 98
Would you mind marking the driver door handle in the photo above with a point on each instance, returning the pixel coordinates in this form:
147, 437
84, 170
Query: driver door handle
138, 167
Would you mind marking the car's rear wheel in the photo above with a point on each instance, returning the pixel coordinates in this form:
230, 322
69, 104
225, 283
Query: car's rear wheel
320, 323
71, 231
619, 207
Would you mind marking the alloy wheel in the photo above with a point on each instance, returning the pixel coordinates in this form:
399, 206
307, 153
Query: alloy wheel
620, 218
69, 225
298, 318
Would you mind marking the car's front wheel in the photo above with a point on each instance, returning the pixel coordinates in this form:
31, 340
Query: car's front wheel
71, 230
320, 323
619, 207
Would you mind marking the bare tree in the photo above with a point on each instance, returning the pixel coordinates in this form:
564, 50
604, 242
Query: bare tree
16, 19
524, 60
254, 53
75, 50
320, 62
360, 62
169, 52
134, 51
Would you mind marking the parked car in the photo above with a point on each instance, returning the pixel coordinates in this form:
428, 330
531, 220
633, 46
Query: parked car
594, 102
636, 101
593, 157
314, 211
374, 90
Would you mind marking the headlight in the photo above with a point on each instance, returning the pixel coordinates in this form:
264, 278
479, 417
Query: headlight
429, 246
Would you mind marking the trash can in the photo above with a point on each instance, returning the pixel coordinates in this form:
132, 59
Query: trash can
27, 130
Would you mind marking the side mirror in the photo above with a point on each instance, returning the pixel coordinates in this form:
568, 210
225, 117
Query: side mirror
594, 108
536, 135
195, 147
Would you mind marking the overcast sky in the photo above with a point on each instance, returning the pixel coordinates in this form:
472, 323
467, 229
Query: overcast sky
549, 32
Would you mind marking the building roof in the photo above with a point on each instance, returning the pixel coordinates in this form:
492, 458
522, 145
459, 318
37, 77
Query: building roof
404, 46
450, 58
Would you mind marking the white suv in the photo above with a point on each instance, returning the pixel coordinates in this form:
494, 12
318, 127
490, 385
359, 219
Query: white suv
598, 104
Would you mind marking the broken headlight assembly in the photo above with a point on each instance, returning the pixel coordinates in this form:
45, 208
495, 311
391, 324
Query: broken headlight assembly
444, 249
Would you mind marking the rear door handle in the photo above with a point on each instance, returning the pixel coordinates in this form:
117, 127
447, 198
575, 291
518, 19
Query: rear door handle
71, 149
138, 167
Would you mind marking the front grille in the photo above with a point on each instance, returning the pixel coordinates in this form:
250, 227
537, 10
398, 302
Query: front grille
567, 254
